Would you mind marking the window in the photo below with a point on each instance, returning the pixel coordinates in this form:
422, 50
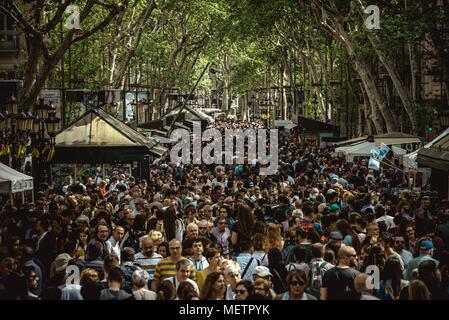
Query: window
8, 38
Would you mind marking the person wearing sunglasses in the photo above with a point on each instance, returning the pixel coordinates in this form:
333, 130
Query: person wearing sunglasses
245, 289
399, 247
296, 287
166, 268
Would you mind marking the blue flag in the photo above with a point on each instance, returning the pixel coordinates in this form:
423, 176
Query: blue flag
375, 154
383, 150
373, 164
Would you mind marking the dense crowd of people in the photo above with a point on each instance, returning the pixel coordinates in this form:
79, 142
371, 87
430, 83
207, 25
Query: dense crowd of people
321, 228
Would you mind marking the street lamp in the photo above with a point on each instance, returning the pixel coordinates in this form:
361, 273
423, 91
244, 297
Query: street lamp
44, 128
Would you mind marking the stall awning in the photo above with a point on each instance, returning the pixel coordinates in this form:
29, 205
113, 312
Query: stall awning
388, 139
99, 137
287, 124
436, 153
12, 181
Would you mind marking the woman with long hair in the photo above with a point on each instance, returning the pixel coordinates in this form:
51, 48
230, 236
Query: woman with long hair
173, 227
81, 243
166, 291
392, 280
350, 238
418, 291
243, 227
214, 287
213, 257
273, 238
186, 291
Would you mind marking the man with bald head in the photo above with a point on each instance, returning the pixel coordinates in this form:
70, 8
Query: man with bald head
338, 282
147, 258
167, 267
360, 285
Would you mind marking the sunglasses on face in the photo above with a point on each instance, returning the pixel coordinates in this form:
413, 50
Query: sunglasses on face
240, 291
175, 248
399, 242
297, 282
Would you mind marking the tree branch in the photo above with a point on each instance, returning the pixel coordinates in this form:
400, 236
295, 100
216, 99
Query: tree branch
19, 18
99, 26
57, 17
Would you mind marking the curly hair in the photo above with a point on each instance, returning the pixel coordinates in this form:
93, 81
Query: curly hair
273, 238
207, 292
186, 291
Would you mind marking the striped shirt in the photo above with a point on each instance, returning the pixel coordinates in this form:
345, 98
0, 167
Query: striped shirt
165, 268
148, 264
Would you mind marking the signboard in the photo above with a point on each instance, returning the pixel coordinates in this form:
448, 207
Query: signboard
53, 96
21, 185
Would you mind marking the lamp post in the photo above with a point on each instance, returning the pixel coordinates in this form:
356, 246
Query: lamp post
20, 129
315, 106
15, 126
44, 128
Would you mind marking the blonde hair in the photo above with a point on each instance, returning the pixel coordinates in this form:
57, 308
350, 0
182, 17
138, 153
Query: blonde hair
273, 237
418, 290
264, 283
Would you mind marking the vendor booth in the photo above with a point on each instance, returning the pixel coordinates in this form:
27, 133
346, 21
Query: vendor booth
99, 144
363, 149
12, 181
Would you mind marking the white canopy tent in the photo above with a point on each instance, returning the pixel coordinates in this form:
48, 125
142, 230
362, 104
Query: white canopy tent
364, 150
12, 181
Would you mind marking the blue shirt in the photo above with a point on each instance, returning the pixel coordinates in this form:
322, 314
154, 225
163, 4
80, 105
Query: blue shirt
243, 259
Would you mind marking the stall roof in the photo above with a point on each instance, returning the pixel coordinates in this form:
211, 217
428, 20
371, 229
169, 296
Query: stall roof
396, 138
288, 124
437, 154
191, 114
411, 159
388, 139
364, 149
12, 181
98, 136
312, 125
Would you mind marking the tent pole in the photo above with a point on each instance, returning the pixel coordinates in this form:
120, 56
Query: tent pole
23, 197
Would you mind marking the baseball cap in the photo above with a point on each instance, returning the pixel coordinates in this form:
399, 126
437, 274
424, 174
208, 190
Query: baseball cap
427, 244
336, 235
334, 207
262, 271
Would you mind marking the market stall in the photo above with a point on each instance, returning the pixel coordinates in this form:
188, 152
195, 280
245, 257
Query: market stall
13, 181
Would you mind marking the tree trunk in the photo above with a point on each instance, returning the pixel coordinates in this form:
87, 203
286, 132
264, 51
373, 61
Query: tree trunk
133, 44
315, 79
400, 89
371, 115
